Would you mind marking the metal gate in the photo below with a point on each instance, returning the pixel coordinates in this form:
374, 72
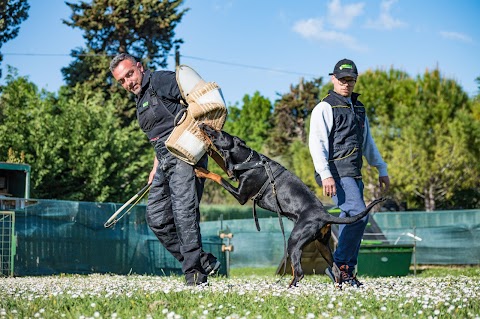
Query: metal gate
7, 242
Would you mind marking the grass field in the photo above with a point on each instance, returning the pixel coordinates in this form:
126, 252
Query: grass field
439, 292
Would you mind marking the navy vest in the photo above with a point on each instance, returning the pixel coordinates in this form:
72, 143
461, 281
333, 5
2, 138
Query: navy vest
346, 137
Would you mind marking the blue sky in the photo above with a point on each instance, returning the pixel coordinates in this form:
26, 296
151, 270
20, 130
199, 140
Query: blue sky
266, 46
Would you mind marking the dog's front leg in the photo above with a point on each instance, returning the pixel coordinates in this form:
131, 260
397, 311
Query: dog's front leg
204, 173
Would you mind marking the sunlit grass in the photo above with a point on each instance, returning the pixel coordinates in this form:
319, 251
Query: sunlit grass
440, 271
252, 271
248, 293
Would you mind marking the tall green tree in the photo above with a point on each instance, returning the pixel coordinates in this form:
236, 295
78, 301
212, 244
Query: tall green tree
20, 101
385, 95
145, 29
12, 13
476, 102
425, 130
291, 113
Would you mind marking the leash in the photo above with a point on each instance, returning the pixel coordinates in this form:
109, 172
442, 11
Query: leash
138, 196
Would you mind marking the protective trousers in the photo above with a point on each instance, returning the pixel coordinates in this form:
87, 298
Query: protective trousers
173, 212
349, 199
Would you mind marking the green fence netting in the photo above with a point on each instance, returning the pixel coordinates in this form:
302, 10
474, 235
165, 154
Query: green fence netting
440, 237
447, 237
69, 237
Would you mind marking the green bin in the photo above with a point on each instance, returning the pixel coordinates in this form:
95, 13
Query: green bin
384, 260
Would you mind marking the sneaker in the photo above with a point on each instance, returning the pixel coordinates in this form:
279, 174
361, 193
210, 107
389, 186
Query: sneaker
355, 282
344, 276
213, 268
338, 275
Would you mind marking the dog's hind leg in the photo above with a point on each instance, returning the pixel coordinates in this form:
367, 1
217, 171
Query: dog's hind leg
323, 244
301, 235
297, 271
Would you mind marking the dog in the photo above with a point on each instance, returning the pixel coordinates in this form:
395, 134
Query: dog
276, 189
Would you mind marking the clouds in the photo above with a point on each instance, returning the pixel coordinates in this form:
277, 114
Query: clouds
385, 21
456, 36
339, 19
342, 23
314, 29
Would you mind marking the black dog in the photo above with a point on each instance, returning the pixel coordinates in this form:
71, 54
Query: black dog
276, 189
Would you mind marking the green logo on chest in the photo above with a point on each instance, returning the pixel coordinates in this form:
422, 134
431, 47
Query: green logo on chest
145, 104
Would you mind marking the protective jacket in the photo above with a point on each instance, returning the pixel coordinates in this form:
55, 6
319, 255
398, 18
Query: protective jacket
346, 137
173, 202
158, 104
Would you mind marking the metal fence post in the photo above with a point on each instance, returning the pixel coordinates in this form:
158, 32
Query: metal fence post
7, 242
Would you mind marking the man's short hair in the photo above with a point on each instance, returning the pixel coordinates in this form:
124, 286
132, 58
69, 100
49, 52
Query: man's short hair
119, 58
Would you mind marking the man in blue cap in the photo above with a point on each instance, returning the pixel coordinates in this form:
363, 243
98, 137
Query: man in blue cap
339, 137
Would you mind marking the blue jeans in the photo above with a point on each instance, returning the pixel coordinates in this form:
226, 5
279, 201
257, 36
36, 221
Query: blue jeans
349, 199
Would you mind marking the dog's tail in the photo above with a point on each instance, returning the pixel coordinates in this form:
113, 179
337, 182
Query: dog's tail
349, 220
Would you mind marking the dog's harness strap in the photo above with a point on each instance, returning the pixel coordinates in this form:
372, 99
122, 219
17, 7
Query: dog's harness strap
249, 165
255, 217
279, 211
260, 193
269, 181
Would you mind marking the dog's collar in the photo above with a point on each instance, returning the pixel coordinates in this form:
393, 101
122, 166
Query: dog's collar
249, 157
246, 164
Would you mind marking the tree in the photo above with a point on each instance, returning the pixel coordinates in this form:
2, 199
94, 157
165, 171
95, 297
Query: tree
75, 144
144, 29
252, 122
425, 131
385, 95
291, 113
12, 13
